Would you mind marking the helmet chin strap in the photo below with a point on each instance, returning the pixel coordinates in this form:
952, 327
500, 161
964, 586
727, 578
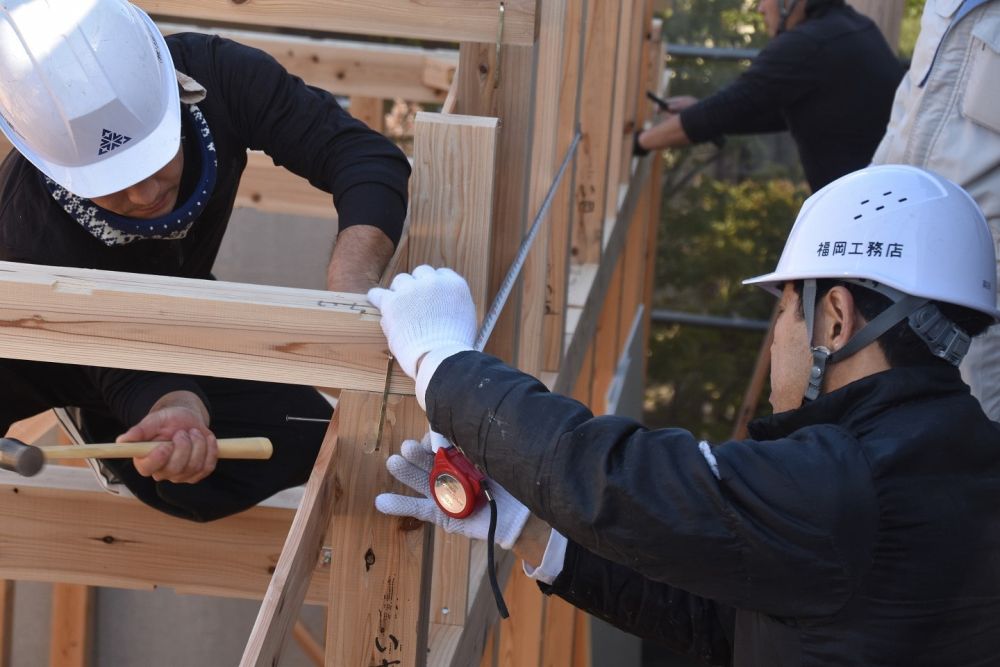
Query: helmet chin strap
944, 338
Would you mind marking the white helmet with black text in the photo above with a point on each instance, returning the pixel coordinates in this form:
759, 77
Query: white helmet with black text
88, 92
904, 232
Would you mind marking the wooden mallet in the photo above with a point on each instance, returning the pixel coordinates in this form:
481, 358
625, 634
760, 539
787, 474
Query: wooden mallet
27, 460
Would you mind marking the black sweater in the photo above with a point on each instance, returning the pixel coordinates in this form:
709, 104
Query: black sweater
253, 103
860, 529
829, 80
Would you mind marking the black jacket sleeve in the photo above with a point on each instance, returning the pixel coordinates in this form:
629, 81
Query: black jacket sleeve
781, 73
305, 130
130, 394
684, 623
784, 527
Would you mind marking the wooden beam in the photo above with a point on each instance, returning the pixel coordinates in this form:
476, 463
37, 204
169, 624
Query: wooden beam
625, 65
443, 20
451, 205
369, 110
521, 634
597, 89
266, 187
607, 345
580, 344
60, 527
480, 94
6, 622
381, 585
350, 68
452, 225
279, 610
561, 220
376, 609
465, 648
545, 161
200, 327
72, 606
581, 640
312, 649
558, 636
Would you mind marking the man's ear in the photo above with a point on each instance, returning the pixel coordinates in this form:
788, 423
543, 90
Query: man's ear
838, 319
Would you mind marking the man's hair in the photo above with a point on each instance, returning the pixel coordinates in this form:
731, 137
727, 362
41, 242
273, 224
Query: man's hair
900, 344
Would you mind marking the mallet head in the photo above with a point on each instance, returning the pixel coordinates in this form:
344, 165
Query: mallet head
24, 459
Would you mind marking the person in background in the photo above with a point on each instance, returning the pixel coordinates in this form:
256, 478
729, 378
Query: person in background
827, 75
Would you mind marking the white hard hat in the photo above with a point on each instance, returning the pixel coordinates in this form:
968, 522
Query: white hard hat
88, 92
895, 225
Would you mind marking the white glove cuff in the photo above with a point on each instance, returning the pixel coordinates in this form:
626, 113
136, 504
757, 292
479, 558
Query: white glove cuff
430, 364
511, 524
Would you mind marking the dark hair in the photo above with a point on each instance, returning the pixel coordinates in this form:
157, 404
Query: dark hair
900, 344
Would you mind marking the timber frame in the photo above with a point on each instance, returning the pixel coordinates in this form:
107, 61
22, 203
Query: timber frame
513, 94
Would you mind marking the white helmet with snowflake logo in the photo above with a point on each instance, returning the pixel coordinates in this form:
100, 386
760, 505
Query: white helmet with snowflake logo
88, 92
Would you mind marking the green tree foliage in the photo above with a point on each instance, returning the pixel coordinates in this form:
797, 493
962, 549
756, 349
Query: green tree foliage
714, 234
725, 217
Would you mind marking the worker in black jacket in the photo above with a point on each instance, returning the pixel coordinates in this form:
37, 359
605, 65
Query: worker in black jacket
129, 155
827, 75
857, 526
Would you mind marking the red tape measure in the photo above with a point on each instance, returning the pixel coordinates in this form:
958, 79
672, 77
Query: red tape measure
456, 484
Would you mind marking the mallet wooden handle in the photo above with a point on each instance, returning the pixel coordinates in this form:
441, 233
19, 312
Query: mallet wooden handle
229, 448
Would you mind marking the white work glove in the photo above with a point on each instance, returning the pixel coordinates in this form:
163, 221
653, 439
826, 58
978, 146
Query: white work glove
413, 468
428, 313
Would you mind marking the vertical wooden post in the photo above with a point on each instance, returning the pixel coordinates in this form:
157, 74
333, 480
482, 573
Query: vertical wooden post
510, 100
521, 634
550, 68
379, 580
6, 622
561, 218
380, 587
558, 636
369, 110
450, 150
624, 66
69, 645
592, 163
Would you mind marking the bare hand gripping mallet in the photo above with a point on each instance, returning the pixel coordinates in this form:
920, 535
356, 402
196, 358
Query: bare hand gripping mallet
28, 460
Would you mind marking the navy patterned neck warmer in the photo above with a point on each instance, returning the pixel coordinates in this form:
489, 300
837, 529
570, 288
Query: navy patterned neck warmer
115, 230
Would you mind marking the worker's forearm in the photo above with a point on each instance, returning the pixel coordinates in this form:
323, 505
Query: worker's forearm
360, 255
668, 134
530, 545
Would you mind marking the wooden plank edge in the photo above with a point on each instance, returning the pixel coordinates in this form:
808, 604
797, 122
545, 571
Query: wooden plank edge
287, 590
585, 328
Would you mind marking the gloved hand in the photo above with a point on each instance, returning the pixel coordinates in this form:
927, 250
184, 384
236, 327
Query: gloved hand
413, 468
426, 317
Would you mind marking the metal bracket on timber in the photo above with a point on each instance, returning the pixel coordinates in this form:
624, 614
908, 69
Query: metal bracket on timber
444, 20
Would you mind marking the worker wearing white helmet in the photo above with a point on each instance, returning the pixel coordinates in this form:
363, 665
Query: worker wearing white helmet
857, 525
129, 152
